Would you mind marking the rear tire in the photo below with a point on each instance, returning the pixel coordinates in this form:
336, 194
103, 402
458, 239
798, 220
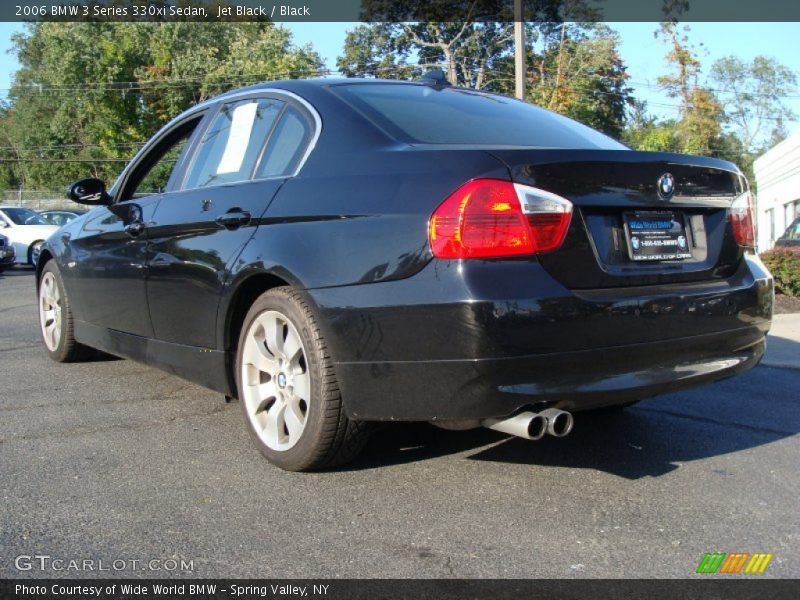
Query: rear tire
33, 252
288, 391
55, 319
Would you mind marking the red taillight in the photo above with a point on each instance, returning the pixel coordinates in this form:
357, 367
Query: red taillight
491, 218
740, 215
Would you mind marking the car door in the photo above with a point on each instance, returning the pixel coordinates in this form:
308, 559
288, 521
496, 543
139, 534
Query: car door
240, 161
106, 273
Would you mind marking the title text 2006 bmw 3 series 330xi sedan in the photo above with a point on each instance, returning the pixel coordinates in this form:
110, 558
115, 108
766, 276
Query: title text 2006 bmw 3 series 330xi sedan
336, 252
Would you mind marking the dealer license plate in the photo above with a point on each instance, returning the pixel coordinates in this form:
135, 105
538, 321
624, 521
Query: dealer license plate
656, 235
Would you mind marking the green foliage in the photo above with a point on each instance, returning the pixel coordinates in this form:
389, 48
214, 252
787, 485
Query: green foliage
574, 68
8, 178
699, 128
371, 51
470, 53
738, 116
88, 94
652, 138
785, 268
751, 96
578, 72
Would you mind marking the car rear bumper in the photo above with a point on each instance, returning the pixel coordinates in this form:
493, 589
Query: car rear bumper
479, 339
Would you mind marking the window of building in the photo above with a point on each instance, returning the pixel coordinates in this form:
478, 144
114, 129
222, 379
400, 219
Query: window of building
771, 219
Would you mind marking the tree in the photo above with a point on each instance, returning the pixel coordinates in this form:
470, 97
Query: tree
370, 51
88, 94
683, 58
468, 51
645, 133
752, 98
574, 68
724, 119
9, 177
699, 128
62, 106
190, 62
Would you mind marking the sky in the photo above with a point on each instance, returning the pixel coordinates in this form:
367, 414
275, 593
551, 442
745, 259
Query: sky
641, 52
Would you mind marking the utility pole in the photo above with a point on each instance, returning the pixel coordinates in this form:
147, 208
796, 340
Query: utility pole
519, 51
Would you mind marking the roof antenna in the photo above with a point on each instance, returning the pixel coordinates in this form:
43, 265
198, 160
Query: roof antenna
435, 78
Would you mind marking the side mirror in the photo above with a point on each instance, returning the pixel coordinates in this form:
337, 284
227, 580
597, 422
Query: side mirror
89, 191
3, 224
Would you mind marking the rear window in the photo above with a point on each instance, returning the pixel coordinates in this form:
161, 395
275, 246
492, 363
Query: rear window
423, 114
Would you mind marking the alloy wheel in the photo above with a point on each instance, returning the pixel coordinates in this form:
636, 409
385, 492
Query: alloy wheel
275, 380
50, 311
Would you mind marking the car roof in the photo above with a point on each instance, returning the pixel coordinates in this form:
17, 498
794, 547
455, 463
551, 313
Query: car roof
304, 86
299, 85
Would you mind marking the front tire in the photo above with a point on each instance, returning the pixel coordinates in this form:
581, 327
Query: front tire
287, 387
55, 318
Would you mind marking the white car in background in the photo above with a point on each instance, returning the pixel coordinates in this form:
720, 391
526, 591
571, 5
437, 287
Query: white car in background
26, 231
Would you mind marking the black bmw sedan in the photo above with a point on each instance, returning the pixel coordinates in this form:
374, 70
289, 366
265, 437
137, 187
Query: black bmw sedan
337, 252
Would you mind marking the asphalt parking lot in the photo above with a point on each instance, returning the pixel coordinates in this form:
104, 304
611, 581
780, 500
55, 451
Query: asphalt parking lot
115, 460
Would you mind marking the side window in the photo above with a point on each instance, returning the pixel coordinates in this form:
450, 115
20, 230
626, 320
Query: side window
286, 145
230, 148
152, 175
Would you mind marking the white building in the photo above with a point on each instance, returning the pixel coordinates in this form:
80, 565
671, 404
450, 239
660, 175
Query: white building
777, 174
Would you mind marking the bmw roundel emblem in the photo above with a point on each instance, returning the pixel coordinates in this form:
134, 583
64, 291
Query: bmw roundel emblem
666, 185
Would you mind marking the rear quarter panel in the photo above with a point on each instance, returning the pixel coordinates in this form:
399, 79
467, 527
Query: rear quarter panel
356, 218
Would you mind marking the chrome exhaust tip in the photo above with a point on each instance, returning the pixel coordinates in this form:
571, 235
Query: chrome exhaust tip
527, 425
559, 422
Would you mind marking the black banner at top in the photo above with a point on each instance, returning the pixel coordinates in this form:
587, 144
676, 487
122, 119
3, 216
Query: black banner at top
399, 10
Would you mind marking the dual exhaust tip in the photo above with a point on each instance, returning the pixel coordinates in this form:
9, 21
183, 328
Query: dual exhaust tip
534, 426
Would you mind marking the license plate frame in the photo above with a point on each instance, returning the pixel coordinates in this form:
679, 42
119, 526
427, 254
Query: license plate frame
656, 236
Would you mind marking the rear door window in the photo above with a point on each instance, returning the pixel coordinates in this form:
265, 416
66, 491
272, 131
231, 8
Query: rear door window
230, 148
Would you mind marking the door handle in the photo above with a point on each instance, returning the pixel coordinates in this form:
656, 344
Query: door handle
135, 229
234, 218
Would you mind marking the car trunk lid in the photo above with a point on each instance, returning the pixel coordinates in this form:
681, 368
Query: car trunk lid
614, 190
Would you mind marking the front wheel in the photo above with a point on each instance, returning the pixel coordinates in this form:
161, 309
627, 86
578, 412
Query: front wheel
287, 386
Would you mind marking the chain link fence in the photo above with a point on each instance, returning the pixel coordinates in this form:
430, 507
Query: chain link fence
36, 199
